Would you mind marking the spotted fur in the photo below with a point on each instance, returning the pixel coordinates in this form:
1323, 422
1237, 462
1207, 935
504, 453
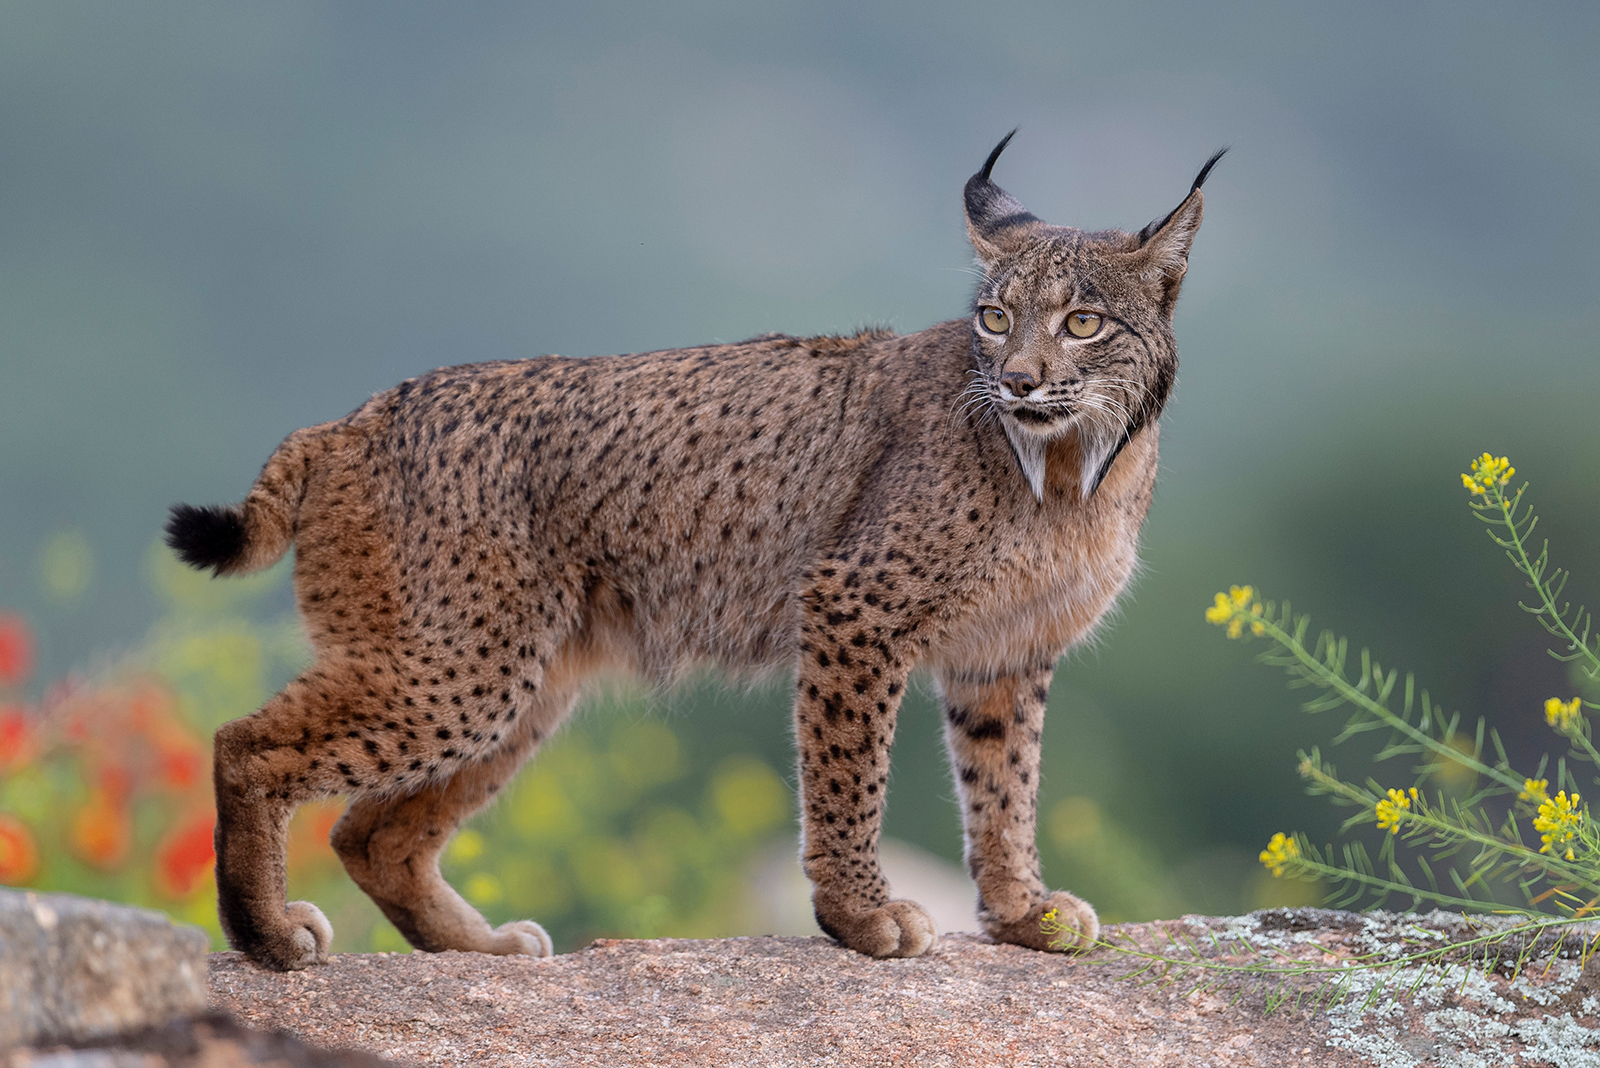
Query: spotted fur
474, 544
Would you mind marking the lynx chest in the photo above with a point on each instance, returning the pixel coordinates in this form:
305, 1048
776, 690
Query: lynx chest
1065, 565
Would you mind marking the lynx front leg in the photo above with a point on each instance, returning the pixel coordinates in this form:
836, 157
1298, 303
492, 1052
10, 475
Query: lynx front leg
992, 728
850, 690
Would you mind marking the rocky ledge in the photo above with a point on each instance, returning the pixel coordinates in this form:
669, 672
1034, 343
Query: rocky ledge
91, 985
805, 1001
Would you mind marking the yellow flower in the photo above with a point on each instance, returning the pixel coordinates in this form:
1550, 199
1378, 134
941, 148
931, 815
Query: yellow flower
1488, 473
1390, 810
1535, 790
1561, 714
1557, 822
1227, 608
1279, 852
1221, 611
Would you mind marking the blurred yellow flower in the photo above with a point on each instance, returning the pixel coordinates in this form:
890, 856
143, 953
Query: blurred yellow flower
1557, 822
1488, 473
1391, 810
747, 797
1535, 790
483, 889
66, 564
1561, 714
1050, 923
468, 845
1227, 609
1279, 852
1221, 611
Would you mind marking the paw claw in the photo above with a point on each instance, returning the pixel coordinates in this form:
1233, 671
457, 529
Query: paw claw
897, 929
1075, 925
522, 938
308, 938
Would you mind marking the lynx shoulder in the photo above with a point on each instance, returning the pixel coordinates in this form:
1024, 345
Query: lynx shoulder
474, 544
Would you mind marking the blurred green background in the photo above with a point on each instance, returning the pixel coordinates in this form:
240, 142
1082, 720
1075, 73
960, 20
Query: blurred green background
221, 222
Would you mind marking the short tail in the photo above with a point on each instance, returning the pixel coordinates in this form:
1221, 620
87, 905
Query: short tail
234, 539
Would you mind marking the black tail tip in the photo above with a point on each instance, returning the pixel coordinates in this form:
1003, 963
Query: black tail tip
211, 537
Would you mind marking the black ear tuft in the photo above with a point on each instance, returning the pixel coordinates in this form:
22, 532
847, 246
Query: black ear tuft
988, 164
1154, 228
1199, 179
991, 211
207, 537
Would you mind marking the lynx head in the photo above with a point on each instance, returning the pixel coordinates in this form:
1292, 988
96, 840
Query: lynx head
1071, 329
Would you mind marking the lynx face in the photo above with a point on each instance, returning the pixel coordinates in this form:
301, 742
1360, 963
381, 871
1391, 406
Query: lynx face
1072, 329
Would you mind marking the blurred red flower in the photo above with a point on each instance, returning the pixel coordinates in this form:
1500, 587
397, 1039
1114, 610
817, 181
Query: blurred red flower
115, 785
102, 831
186, 855
19, 856
14, 731
16, 649
180, 768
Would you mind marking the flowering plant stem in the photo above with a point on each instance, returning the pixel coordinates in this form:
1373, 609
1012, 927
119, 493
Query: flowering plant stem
1426, 823
1497, 509
1325, 668
1564, 871
1501, 510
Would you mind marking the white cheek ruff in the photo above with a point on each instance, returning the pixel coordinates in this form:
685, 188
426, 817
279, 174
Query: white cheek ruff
1029, 448
1097, 447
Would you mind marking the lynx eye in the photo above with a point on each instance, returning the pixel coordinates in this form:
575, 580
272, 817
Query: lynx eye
1083, 324
995, 320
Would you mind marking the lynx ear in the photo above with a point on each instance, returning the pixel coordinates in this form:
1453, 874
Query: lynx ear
996, 222
1162, 257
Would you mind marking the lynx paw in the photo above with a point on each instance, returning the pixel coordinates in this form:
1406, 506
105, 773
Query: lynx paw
301, 942
1073, 927
898, 929
522, 938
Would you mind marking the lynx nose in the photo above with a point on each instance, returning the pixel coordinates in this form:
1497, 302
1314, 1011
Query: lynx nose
1020, 383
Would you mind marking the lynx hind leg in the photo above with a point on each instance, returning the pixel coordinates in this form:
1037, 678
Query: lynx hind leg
391, 847
262, 772
993, 727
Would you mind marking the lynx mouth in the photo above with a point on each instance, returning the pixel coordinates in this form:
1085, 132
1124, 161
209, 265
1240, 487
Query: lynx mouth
1039, 419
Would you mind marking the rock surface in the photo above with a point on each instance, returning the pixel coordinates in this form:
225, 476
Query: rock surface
211, 1041
805, 1001
74, 969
